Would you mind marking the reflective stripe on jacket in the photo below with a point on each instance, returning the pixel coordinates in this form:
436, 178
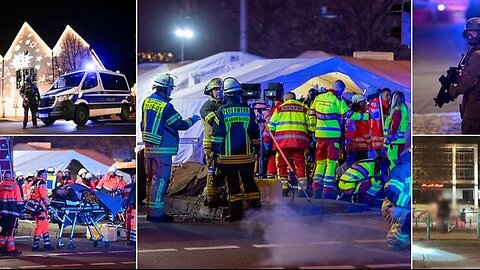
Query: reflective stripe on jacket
289, 124
11, 202
396, 125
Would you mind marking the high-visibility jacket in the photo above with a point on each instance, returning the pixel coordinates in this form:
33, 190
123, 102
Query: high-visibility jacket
160, 125
11, 201
396, 125
40, 193
398, 188
361, 171
26, 190
327, 112
235, 133
51, 182
207, 112
357, 135
375, 125
289, 124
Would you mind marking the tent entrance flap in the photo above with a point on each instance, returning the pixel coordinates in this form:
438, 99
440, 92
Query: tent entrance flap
327, 80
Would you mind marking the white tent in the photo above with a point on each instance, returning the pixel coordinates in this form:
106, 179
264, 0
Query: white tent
195, 74
296, 74
30, 161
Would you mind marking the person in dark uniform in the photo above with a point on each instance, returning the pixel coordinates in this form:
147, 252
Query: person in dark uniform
31, 96
235, 140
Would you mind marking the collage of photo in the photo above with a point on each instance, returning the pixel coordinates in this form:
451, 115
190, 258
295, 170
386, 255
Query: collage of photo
240, 134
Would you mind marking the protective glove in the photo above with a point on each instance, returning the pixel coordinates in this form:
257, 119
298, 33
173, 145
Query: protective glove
195, 119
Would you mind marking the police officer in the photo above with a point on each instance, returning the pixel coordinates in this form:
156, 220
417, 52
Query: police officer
160, 125
235, 133
40, 196
468, 84
11, 208
31, 96
326, 117
207, 112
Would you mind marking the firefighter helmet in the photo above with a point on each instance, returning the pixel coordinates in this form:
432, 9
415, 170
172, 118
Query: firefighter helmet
357, 98
19, 174
50, 170
163, 81
212, 84
231, 86
472, 31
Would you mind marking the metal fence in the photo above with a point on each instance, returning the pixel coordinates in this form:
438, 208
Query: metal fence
428, 227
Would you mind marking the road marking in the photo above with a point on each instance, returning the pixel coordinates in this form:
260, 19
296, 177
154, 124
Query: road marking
325, 243
88, 253
33, 266
275, 245
101, 264
328, 267
121, 251
5, 268
370, 241
67, 265
127, 263
211, 248
386, 266
157, 250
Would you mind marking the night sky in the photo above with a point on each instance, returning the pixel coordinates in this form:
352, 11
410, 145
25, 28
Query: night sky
108, 26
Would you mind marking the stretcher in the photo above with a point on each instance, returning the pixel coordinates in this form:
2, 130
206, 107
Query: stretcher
78, 205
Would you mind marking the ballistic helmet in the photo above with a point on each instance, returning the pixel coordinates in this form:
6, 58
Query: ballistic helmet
231, 86
212, 84
472, 31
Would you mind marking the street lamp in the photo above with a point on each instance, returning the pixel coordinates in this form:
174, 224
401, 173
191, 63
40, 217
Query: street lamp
183, 34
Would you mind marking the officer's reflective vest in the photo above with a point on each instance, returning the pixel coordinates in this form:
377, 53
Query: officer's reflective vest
325, 115
289, 123
160, 126
399, 136
11, 202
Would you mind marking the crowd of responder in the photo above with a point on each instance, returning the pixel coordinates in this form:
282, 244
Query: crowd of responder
355, 141
30, 196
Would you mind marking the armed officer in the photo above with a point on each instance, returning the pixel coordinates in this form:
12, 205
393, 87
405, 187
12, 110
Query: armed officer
31, 96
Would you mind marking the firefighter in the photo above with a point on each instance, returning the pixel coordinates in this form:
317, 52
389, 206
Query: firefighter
67, 178
375, 125
160, 125
396, 207
111, 183
11, 209
207, 112
31, 96
357, 133
362, 181
40, 197
289, 126
396, 127
326, 115
82, 177
235, 133
468, 84
27, 186
51, 179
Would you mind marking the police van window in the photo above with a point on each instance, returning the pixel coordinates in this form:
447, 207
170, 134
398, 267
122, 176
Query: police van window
90, 81
114, 82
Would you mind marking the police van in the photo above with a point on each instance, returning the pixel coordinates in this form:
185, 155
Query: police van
84, 95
